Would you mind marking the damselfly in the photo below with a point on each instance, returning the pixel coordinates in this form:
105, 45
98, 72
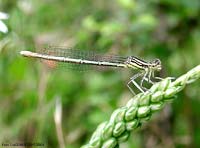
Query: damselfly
58, 54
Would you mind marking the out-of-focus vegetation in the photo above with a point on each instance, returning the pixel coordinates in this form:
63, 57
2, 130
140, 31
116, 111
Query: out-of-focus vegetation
168, 30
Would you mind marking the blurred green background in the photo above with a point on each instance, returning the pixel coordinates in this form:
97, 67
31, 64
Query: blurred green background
167, 29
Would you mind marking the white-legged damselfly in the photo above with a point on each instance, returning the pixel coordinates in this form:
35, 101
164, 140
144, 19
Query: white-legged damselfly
60, 54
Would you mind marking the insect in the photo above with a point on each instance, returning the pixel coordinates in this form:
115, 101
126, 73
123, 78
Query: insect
58, 54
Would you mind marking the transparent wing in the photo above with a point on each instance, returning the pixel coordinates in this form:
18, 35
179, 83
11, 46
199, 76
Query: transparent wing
77, 54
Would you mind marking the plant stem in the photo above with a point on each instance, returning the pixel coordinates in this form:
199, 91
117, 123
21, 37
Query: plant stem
138, 110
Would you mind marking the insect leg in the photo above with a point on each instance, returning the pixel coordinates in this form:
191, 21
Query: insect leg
144, 78
132, 80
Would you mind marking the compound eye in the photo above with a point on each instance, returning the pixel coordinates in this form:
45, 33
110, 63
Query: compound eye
157, 62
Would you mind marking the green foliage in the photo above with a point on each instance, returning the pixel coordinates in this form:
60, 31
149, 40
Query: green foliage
168, 30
